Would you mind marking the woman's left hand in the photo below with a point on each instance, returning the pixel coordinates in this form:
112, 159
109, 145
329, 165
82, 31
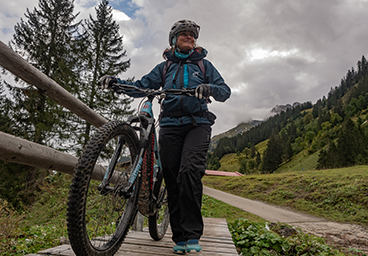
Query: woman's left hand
203, 91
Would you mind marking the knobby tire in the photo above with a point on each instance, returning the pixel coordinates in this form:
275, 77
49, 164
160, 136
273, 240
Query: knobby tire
98, 222
159, 222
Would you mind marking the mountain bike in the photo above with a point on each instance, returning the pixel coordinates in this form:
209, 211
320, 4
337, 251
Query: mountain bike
118, 174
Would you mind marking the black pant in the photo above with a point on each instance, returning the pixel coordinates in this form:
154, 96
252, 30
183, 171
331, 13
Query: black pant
183, 151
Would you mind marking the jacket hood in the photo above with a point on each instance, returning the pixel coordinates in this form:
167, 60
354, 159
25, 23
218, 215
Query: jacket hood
196, 55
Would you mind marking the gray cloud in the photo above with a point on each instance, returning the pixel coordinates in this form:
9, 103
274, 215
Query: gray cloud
269, 52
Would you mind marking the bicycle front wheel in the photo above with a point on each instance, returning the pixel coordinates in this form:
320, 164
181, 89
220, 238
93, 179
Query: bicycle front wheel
99, 219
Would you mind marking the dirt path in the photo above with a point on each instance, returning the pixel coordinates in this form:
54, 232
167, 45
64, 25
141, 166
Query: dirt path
344, 235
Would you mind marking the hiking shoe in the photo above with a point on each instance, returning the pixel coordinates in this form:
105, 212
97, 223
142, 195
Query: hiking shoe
192, 244
180, 247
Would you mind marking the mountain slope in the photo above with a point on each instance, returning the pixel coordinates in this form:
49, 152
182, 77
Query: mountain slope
239, 129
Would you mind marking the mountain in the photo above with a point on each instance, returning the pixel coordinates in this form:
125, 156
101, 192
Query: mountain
279, 108
239, 129
246, 126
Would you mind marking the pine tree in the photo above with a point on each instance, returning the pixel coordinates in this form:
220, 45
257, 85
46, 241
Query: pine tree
104, 55
45, 39
328, 158
287, 153
272, 156
351, 143
258, 160
6, 123
252, 151
19, 189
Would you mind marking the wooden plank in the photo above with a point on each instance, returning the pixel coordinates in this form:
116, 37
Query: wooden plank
140, 249
141, 244
62, 250
143, 236
13, 62
144, 239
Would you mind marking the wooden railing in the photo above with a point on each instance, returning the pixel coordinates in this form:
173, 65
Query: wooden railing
13, 149
17, 150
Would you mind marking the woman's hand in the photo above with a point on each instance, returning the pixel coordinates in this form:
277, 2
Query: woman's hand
106, 81
203, 91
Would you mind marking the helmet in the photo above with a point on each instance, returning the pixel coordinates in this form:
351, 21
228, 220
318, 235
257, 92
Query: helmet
183, 25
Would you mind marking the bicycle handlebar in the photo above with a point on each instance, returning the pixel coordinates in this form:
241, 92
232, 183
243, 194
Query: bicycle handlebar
124, 88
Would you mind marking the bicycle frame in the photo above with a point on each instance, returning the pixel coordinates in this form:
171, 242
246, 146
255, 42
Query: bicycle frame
146, 125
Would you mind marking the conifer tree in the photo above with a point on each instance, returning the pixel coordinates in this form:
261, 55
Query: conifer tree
287, 153
329, 158
45, 39
272, 156
17, 182
6, 123
351, 143
252, 151
104, 55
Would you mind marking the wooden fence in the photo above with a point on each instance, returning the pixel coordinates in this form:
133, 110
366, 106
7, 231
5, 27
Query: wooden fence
17, 150
13, 149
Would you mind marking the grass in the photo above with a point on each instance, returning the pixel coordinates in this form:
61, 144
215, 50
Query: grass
336, 194
43, 224
262, 146
214, 208
40, 226
229, 163
301, 162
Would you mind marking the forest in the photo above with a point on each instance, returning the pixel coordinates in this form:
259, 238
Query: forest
334, 126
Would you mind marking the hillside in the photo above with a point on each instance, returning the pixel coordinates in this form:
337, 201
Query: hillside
332, 133
239, 129
335, 194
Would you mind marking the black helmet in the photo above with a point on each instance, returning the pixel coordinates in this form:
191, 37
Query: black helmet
183, 25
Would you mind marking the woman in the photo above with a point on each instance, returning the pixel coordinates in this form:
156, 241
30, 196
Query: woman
185, 127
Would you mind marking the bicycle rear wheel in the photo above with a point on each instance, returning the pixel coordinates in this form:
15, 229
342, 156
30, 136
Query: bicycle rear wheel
159, 222
98, 221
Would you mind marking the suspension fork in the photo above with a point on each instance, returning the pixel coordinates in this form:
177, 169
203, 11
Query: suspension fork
104, 187
158, 167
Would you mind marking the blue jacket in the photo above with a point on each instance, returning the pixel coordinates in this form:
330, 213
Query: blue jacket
188, 75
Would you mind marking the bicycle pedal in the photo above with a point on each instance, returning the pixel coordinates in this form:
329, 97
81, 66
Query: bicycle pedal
125, 194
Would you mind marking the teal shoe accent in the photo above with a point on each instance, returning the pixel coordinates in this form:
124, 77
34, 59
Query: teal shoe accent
180, 247
193, 245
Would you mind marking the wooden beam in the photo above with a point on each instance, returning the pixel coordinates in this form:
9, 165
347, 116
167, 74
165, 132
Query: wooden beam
17, 150
13, 62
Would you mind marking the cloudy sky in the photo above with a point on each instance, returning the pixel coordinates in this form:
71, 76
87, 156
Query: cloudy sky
270, 52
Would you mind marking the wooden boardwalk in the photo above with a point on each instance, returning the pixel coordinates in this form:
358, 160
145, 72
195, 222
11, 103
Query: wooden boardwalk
216, 241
